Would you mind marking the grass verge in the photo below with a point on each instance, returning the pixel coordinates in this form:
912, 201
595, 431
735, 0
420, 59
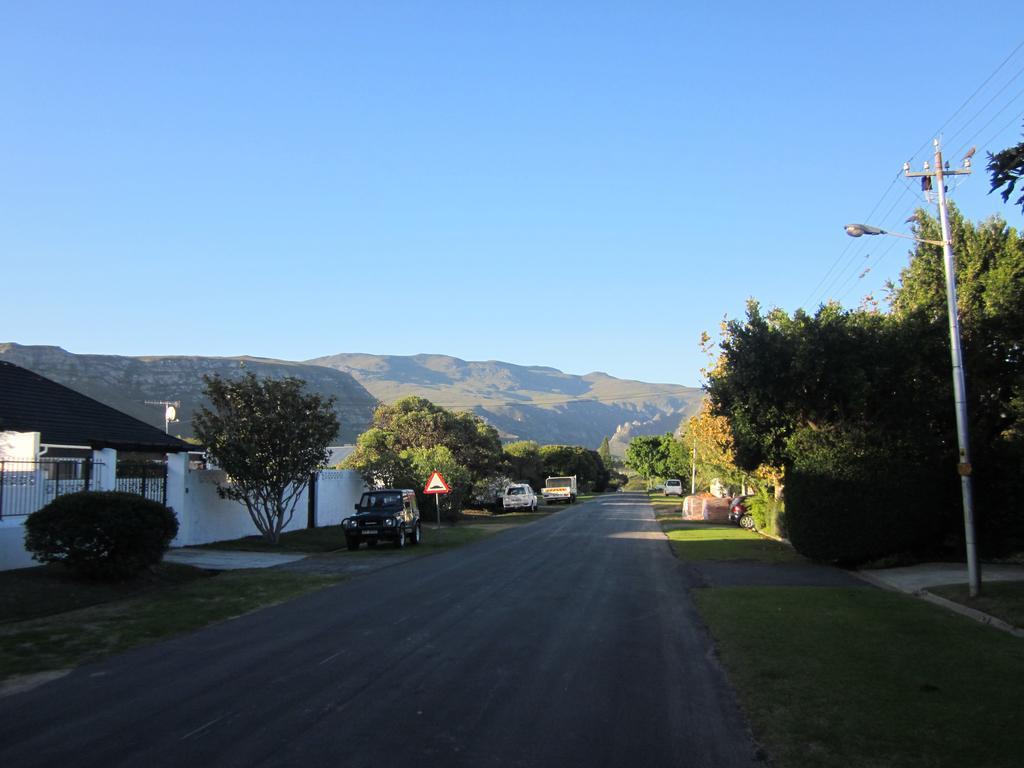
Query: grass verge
837, 677
1004, 600
72, 638
710, 541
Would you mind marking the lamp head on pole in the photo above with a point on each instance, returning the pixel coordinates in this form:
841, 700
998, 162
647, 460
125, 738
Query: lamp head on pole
857, 230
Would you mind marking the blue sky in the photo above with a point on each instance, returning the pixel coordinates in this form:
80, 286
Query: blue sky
581, 185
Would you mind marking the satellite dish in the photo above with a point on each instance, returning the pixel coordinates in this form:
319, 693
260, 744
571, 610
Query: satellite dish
170, 414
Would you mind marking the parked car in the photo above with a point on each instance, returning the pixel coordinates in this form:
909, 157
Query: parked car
519, 496
387, 514
673, 487
740, 514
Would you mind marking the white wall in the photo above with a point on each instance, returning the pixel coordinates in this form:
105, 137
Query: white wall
203, 516
12, 545
206, 517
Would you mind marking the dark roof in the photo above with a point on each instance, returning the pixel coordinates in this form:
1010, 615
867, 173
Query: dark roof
31, 403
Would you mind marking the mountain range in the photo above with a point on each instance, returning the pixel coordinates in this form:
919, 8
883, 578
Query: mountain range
522, 402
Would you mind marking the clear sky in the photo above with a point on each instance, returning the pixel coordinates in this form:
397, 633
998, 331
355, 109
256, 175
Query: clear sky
584, 185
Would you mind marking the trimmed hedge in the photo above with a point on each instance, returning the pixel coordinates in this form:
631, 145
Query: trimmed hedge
101, 534
854, 497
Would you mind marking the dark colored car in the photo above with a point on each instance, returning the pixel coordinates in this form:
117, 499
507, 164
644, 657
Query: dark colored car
386, 514
740, 514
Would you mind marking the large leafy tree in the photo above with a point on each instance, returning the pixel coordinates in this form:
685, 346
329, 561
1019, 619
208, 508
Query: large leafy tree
586, 464
990, 281
404, 437
1007, 168
648, 455
525, 463
268, 435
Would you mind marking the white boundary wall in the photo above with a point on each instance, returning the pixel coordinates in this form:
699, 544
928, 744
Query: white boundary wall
203, 516
206, 517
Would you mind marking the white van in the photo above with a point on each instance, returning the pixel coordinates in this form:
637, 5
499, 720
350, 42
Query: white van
673, 487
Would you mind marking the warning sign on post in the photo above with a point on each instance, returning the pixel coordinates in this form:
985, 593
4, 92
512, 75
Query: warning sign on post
436, 484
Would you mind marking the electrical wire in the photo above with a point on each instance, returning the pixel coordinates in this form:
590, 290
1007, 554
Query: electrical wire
848, 257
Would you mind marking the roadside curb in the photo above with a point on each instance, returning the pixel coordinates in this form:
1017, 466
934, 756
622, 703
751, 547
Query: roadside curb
922, 594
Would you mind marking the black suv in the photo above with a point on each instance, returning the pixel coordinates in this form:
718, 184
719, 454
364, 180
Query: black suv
387, 514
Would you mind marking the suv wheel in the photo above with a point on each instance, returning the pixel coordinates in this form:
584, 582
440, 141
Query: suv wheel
417, 535
747, 521
400, 538
352, 542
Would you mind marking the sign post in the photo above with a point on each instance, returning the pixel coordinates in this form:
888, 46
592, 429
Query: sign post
436, 486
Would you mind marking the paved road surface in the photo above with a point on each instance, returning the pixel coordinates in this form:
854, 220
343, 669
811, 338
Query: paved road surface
568, 642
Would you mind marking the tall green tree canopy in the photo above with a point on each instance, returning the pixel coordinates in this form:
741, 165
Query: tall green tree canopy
408, 435
850, 390
648, 455
1007, 168
268, 435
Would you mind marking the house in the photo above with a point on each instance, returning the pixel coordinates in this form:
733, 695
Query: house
70, 424
54, 441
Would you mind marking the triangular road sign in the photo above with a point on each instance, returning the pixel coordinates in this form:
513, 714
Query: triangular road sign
436, 484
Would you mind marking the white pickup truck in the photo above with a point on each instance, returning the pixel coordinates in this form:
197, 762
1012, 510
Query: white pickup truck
519, 496
560, 489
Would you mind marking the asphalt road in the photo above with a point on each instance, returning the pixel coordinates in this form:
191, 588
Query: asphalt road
568, 642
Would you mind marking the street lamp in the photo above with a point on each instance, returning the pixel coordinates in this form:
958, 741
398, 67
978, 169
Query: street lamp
956, 354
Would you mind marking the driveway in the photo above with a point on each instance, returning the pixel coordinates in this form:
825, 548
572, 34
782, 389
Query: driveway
570, 641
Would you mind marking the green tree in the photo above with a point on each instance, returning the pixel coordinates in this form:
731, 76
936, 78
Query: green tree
566, 460
403, 439
380, 462
525, 463
647, 455
605, 452
440, 458
268, 435
1007, 168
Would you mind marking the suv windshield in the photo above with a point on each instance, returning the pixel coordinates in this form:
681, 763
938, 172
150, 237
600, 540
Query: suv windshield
372, 501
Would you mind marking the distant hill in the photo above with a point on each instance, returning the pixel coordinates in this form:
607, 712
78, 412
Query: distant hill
522, 402
527, 402
126, 383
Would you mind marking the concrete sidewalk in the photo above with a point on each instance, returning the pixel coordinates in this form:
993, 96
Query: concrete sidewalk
221, 560
914, 578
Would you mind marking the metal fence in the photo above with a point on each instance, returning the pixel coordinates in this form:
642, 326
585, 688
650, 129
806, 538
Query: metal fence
26, 486
143, 478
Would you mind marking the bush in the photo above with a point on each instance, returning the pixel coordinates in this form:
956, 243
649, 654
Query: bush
768, 512
102, 535
854, 497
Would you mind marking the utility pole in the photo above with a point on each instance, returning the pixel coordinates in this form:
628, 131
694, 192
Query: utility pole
939, 173
693, 468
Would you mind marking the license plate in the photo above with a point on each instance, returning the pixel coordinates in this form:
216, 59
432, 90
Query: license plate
370, 532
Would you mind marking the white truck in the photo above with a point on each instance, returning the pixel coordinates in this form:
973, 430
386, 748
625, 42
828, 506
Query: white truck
559, 489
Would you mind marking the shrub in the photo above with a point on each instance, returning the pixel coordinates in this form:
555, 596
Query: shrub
768, 512
853, 497
102, 535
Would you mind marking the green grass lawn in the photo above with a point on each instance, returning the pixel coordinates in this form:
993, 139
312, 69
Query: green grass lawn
694, 540
28, 593
1004, 600
70, 638
839, 677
